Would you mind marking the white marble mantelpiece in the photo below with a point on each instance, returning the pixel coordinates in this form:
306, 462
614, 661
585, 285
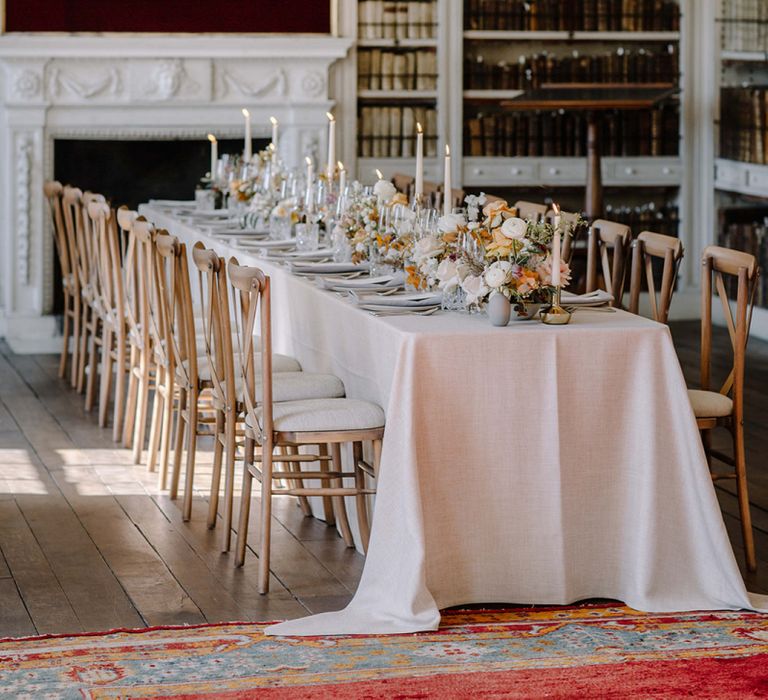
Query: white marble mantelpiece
129, 87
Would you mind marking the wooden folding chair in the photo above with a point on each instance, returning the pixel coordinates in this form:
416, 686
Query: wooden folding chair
294, 424
529, 210
608, 245
646, 248
725, 407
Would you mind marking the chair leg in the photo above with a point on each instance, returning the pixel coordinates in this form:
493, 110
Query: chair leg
140, 424
93, 365
105, 382
218, 451
339, 506
119, 410
165, 437
65, 341
306, 508
76, 314
189, 476
157, 417
83, 352
178, 448
266, 518
361, 502
129, 420
743, 494
245, 504
230, 431
330, 518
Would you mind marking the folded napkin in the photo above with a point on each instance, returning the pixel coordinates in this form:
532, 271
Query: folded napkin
304, 255
262, 244
236, 232
384, 282
327, 268
597, 298
420, 300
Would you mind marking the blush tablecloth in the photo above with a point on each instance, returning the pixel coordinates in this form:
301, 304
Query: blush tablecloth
526, 464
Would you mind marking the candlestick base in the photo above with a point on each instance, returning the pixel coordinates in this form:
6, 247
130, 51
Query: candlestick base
555, 315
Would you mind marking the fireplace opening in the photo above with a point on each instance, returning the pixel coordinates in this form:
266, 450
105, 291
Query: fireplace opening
132, 172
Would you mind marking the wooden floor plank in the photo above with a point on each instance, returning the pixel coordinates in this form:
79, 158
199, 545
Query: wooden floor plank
14, 618
44, 598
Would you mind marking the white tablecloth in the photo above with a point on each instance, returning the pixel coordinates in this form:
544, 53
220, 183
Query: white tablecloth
526, 464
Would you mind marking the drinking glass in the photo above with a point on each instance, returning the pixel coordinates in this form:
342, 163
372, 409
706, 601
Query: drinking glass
280, 227
307, 236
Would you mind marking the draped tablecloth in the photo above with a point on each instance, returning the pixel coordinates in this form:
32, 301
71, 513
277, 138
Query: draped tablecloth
527, 464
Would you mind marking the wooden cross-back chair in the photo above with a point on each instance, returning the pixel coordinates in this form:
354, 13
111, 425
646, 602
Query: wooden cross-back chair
293, 424
645, 248
111, 313
575, 226
72, 212
143, 343
53, 191
725, 407
403, 183
289, 383
608, 245
528, 210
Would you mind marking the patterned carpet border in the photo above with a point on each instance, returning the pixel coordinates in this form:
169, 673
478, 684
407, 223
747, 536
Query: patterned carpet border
598, 650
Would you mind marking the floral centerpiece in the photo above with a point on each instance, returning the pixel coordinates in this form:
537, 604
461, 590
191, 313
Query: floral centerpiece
357, 224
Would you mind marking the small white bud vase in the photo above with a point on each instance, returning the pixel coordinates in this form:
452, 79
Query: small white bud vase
498, 309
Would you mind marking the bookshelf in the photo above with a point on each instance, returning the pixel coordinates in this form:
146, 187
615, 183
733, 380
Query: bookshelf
399, 83
740, 217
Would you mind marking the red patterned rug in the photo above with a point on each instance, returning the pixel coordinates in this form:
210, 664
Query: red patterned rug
606, 651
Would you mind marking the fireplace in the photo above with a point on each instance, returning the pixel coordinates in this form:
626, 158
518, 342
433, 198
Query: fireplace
69, 94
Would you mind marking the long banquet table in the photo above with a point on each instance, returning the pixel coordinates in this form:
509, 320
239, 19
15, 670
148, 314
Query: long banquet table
526, 464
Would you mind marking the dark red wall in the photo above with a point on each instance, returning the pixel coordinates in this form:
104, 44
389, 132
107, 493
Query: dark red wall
239, 16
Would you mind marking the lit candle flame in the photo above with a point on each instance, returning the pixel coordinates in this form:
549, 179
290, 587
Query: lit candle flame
418, 127
331, 118
273, 120
246, 113
271, 147
378, 174
447, 150
340, 165
211, 138
308, 160
555, 208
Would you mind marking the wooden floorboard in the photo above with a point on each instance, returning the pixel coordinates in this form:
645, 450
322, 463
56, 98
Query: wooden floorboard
87, 542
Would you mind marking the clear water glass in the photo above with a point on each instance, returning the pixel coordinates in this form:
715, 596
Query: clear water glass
205, 200
454, 300
280, 227
307, 236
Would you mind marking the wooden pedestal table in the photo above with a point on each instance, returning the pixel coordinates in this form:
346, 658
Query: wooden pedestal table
595, 100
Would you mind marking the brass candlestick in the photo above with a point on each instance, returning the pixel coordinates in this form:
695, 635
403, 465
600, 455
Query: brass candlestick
555, 315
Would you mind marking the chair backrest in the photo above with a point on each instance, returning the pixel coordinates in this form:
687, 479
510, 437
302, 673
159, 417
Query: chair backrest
109, 263
143, 234
53, 191
251, 299
717, 263
608, 249
403, 183
575, 228
493, 198
129, 270
215, 317
72, 210
88, 247
645, 248
530, 210
176, 313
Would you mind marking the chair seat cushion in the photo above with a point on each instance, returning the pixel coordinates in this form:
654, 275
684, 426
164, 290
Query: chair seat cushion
322, 415
280, 363
295, 386
710, 404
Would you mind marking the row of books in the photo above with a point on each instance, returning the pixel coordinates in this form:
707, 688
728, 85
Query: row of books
619, 66
653, 133
749, 233
744, 124
572, 15
398, 19
745, 25
403, 69
647, 216
390, 132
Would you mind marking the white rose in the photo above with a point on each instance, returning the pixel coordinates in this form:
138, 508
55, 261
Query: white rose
384, 190
514, 228
448, 275
498, 274
475, 288
450, 223
427, 247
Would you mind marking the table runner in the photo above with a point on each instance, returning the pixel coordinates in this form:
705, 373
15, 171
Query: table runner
525, 464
